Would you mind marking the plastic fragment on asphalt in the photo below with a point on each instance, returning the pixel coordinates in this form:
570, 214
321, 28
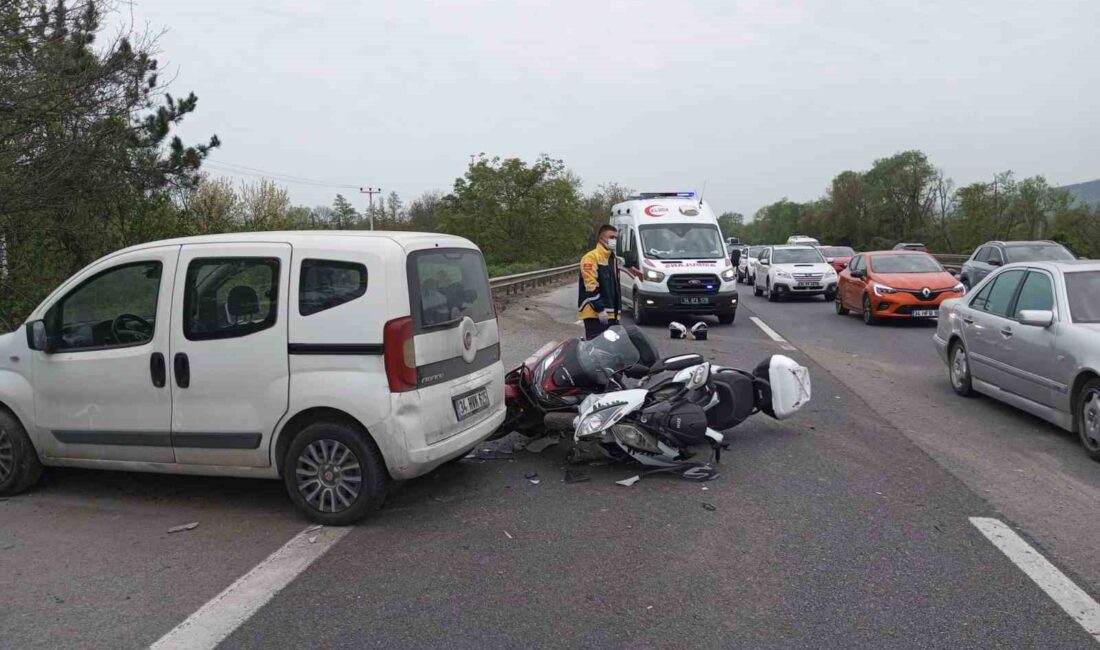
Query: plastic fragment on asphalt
538, 445
508, 535
313, 528
184, 527
705, 488
530, 475
313, 540
629, 481
534, 481
575, 477
709, 506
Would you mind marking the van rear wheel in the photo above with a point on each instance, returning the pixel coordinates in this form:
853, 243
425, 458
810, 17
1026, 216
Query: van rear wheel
19, 465
334, 474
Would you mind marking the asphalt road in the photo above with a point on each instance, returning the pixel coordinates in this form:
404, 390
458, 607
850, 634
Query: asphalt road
832, 529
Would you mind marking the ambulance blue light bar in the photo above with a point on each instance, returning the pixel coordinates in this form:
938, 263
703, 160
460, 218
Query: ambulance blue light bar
662, 195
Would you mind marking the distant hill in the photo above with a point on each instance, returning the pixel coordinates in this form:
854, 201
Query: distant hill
1087, 193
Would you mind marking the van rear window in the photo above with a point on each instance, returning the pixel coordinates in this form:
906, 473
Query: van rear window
446, 285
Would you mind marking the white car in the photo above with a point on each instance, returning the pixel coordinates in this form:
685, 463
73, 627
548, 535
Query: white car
746, 267
335, 361
794, 270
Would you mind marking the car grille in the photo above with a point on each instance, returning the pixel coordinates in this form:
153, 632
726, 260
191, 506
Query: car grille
693, 283
807, 277
933, 295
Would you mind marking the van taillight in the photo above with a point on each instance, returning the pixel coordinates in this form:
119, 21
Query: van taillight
400, 354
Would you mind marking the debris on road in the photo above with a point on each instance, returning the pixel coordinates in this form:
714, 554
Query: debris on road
575, 477
508, 535
629, 481
533, 477
313, 528
184, 527
486, 453
540, 444
313, 540
709, 506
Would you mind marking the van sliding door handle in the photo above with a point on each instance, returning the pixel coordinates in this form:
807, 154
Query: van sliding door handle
157, 370
181, 366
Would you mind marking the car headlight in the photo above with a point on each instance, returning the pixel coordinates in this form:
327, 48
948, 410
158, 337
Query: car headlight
654, 276
830, 274
729, 274
959, 288
782, 274
882, 289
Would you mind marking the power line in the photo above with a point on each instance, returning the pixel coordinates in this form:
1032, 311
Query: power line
264, 173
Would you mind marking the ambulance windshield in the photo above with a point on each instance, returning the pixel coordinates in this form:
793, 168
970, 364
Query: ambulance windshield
682, 241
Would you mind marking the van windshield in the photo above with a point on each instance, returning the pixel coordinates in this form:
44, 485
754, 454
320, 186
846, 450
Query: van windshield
446, 285
682, 241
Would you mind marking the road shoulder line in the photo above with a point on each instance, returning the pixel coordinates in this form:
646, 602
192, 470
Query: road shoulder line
214, 621
1063, 591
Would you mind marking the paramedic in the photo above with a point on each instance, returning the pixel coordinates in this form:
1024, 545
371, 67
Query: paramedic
598, 299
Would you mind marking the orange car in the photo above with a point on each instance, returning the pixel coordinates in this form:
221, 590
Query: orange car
895, 284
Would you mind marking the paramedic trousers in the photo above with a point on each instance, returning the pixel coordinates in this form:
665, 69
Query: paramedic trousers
593, 327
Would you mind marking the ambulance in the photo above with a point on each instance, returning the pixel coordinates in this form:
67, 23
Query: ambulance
672, 258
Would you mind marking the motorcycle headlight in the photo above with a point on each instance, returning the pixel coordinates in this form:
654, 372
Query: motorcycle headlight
632, 436
593, 424
881, 289
729, 274
654, 276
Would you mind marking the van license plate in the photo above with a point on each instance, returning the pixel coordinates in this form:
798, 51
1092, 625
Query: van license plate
695, 300
469, 403
925, 313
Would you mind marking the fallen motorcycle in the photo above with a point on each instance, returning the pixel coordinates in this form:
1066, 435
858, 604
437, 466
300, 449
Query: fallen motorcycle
662, 423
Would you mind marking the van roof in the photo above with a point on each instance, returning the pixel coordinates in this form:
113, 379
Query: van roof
303, 237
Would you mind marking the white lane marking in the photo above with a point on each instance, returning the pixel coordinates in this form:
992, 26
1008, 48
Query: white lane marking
772, 334
1078, 604
215, 620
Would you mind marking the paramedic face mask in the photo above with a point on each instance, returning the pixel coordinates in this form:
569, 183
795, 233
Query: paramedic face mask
610, 243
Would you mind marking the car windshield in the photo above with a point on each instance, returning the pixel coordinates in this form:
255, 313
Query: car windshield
610, 352
836, 251
682, 241
1083, 289
905, 264
1037, 253
796, 256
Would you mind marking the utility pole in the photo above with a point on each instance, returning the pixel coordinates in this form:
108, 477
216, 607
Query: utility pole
370, 192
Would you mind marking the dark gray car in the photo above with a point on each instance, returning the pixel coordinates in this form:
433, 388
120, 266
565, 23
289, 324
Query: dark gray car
1029, 336
992, 255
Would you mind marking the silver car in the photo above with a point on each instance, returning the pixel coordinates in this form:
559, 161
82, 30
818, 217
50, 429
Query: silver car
1029, 335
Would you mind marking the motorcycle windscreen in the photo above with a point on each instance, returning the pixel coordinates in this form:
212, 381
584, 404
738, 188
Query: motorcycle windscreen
790, 385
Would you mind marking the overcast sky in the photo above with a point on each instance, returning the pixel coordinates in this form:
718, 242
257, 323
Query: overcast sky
761, 100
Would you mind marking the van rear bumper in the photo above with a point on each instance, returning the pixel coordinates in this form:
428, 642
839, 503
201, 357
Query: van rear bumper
425, 459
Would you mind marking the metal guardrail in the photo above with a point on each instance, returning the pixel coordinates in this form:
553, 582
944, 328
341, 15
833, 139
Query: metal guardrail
509, 284
953, 263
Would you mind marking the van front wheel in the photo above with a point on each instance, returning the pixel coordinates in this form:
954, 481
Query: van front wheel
334, 474
19, 465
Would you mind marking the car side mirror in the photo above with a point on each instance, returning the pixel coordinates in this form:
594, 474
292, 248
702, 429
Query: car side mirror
37, 336
858, 274
1036, 317
994, 262
763, 261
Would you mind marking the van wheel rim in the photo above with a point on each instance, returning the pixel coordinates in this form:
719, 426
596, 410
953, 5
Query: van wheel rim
1090, 419
7, 456
958, 368
329, 476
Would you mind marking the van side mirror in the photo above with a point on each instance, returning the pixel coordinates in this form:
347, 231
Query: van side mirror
37, 337
735, 256
630, 258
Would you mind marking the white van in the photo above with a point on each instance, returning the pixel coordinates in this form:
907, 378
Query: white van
672, 258
336, 361
802, 240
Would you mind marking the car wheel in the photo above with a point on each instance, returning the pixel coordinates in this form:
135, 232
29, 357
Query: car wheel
727, 319
841, 310
1088, 414
19, 465
958, 369
756, 291
830, 296
641, 316
334, 474
868, 316
772, 296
